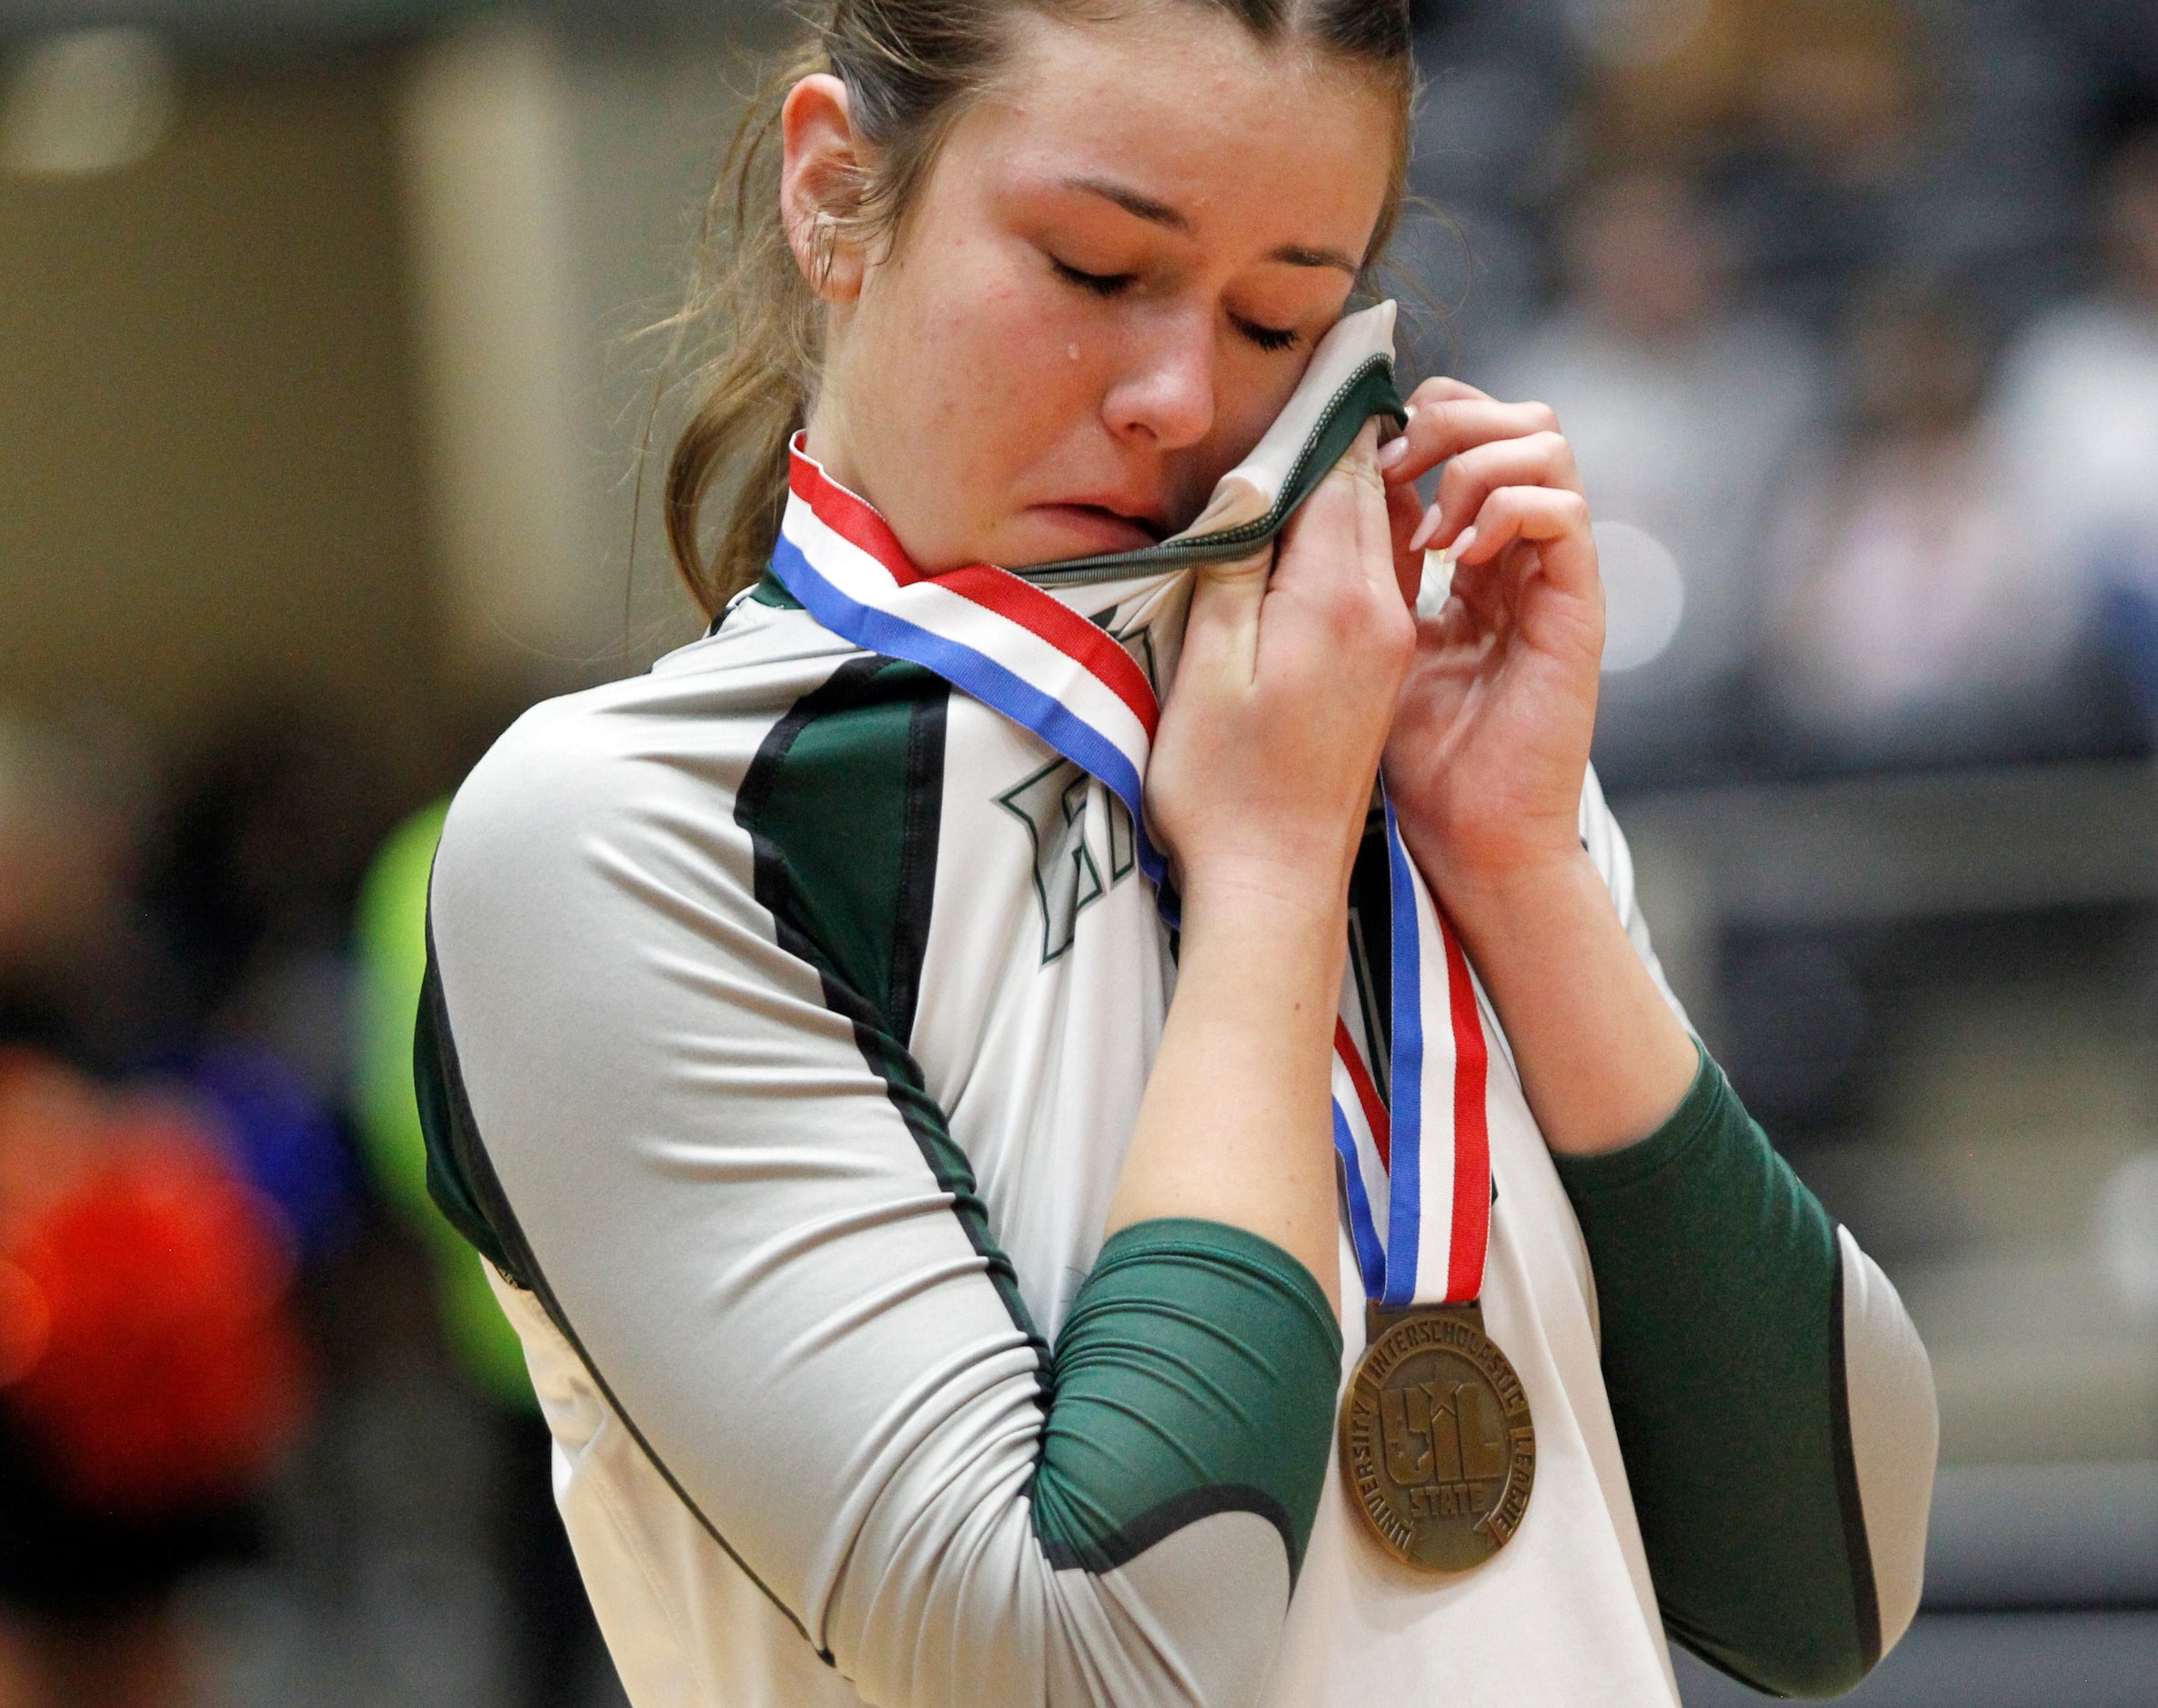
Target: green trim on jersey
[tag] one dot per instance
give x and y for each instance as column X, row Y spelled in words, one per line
column 1181, row 1326
column 842, row 805
column 1719, row 1281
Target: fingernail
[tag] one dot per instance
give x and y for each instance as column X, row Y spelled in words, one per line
column 1392, row 453
column 1425, row 529
column 1462, row 542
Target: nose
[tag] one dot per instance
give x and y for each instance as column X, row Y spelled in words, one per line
column 1165, row 396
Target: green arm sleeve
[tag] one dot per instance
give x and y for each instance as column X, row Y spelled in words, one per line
column 1196, row 1374
column 1718, row 1279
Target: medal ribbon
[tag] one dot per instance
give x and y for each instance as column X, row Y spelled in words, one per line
column 1415, row 1164
column 1419, row 1207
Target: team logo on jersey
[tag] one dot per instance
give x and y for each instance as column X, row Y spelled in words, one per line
column 1083, row 845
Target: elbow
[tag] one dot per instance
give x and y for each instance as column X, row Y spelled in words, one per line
column 1791, row 1660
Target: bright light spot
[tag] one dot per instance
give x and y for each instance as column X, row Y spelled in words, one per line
column 1432, row 592
column 2127, row 1231
column 1635, row 31
column 1644, row 596
column 88, row 101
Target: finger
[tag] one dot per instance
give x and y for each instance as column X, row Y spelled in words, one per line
column 1337, row 571
column 1553, row 520
column 1445, row 388
column 1222, row 633
column 1404, row 513
column 1542, row 459
column 1348, row 505
column 1374, row 524
column 1448, row 426
column 1427, row 396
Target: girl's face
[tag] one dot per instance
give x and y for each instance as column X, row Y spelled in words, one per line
column 1108, row 286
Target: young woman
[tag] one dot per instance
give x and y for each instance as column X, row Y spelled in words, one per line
column 932, row 1264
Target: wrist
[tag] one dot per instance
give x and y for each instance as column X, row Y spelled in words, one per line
column 1265, row 897
column 1527, row 884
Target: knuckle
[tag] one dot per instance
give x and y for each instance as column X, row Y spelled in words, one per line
column 1543, row 416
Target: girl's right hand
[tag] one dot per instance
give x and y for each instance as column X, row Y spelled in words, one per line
column 1263, row 764
column 1259, row 786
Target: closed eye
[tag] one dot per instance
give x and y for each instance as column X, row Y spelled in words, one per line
column 1116, row 284
column 1097, row 284
column 1265, row 338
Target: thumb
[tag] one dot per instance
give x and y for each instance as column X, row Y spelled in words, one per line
column 1221, row 634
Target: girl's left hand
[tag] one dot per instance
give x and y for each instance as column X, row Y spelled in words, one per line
column 1490, row 742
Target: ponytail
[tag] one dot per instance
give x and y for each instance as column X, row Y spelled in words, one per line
column 757, row 390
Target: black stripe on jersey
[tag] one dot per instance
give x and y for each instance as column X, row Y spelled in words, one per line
column 1866, row 1596
column 917, row 887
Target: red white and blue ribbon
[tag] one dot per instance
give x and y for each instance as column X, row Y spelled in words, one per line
column 1415, row 1161
column 1419, row 1208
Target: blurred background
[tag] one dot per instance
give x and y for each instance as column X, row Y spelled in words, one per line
column 325, row 361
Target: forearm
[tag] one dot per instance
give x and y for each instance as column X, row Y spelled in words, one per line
column 1772, row 1401
column 1602, row 1058
column 1234, row 1127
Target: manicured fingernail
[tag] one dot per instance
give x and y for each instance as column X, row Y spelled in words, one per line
column 1425, row 529
column 1462, row 542
column 1392, row 453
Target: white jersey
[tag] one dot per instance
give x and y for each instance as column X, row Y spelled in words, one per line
column 789, row 1018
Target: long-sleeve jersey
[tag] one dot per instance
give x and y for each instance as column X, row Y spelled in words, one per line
column 787, row 1021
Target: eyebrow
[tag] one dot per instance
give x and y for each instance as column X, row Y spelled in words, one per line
column 1157, row 212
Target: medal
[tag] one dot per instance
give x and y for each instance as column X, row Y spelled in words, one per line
column 1436, row 1445
column 1437, row 1450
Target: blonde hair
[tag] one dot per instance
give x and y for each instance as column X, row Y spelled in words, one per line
column 910, row 66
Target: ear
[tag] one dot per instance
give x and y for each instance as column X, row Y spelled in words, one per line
column 820, row 176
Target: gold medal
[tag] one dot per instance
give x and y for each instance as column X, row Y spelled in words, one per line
column 1436, row 1444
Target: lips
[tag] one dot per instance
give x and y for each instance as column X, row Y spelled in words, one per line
column 1101, row 528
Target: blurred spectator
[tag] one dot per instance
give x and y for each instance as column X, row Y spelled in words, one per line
column 2077, row 430
column 150, row 1367
column 1495, row 141
column 261, row 858
column 78, row 974
column 1806, row 114
column 1820, row 191
column 1680, row 406
column 1913, row 622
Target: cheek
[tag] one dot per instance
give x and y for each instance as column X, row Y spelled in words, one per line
column 974, row 381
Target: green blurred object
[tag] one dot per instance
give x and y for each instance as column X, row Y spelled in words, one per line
column 391, row 938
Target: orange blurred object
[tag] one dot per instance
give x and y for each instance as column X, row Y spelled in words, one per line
column 145, row 1338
